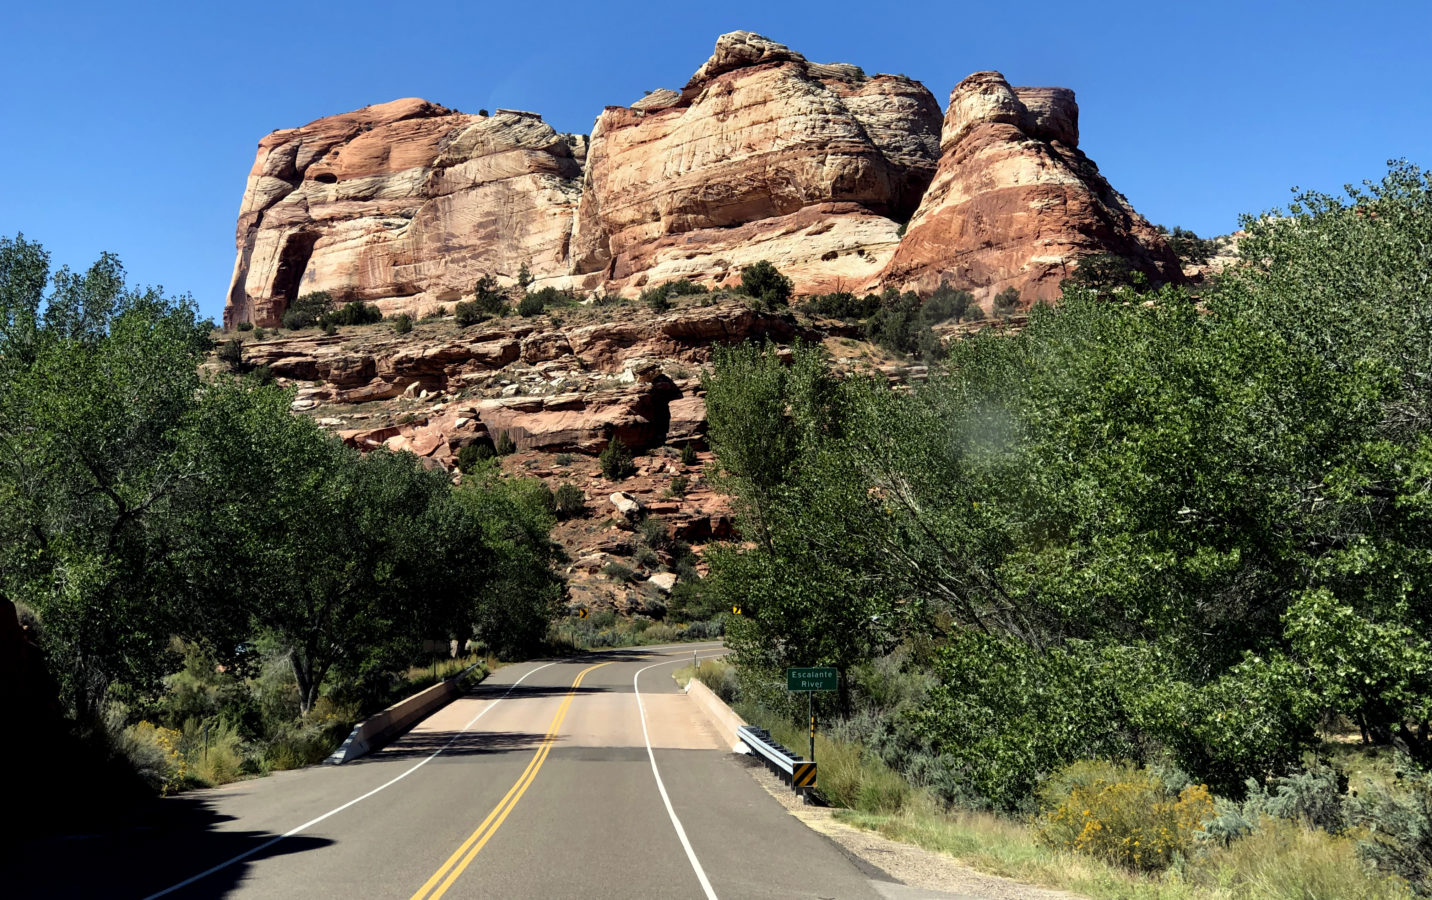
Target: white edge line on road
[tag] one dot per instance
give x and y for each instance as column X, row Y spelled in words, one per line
column 661, row 786
column 311, row 822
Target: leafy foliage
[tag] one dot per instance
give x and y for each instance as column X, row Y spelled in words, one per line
column 764, row 283
column 1188, row 246
column 571, row 502
column 307, row 310
column 1127, row 816
column 1006, row 301
column 140, row 501
column 1137, row 530
column 616, row 461
column 351, row 314
column 843, row 305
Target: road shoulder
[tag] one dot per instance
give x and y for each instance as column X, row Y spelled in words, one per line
column 911, row 871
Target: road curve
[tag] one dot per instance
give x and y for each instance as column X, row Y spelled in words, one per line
column 592, row 777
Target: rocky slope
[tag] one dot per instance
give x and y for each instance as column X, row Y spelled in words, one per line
column 762, row 155
column 1015, row 203
column 560, row 386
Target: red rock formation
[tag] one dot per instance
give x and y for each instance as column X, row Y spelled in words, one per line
column 763, row 155
column 405, row 203
column 1015, row 203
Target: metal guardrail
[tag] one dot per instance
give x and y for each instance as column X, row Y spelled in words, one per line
column 798, row 773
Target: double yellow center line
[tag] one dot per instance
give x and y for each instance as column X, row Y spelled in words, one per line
column 448, row 873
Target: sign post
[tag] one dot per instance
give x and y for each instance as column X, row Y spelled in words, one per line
column 810, row 680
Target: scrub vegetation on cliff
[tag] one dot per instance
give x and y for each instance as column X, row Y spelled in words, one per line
column 1187, row 539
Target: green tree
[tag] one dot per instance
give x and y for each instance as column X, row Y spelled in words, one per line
column 307, row 311
column 763, row 282
column 616, row 461
column 1006, row 301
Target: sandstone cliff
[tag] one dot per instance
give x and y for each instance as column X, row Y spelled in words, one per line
column 1015, row 203
column 404, row 203
column 762, row 155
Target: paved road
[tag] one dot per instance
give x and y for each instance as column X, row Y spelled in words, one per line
column 594, row 777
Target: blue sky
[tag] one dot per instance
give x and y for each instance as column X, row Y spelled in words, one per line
column 131, row 127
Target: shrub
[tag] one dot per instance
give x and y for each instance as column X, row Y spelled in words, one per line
column 618, row 572
column 1313, row 798
column 487, row 297
column 352, row 314
column 720, row 676
column 330, row 329
column 216, row 758
column 688, row 455
column 975, row 313
column 505, row 445
column 683, row 287
column 763, row 282
column 402, row 323
column 1006, row 301
column 259, row 333
column 551, row 298
column 571, row 502
column 616, row 461
column 679, row 485
column 1187, row 245
column 231, row 354
column 472, row 456
column 1280, row 860
column 945, row 304
column 656, row 299
column 1124, row 815
column 245, row 326
column 843, row 305
column 307, row 310
column 154, row 752
column 655, row 534
column 564, row 459
column 468, row 314
column 646, row 558
column 1106, row 272
column 531, row 305
column 1399, row 827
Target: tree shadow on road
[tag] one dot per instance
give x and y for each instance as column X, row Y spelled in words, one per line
column 154, row 846
column 422, row 744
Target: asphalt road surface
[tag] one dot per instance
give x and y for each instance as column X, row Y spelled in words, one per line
column 593, row 777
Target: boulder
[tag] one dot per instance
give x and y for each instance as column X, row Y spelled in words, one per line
column 638, row 417
column 628, row 507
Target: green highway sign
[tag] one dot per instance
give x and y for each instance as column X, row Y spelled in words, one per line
column 814, row 679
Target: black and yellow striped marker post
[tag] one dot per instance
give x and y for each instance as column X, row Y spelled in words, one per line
column 803, row 775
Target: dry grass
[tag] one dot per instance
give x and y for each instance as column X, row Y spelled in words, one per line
column 1279, row 861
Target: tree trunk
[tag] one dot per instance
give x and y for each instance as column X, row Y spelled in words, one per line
column 303, row 674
